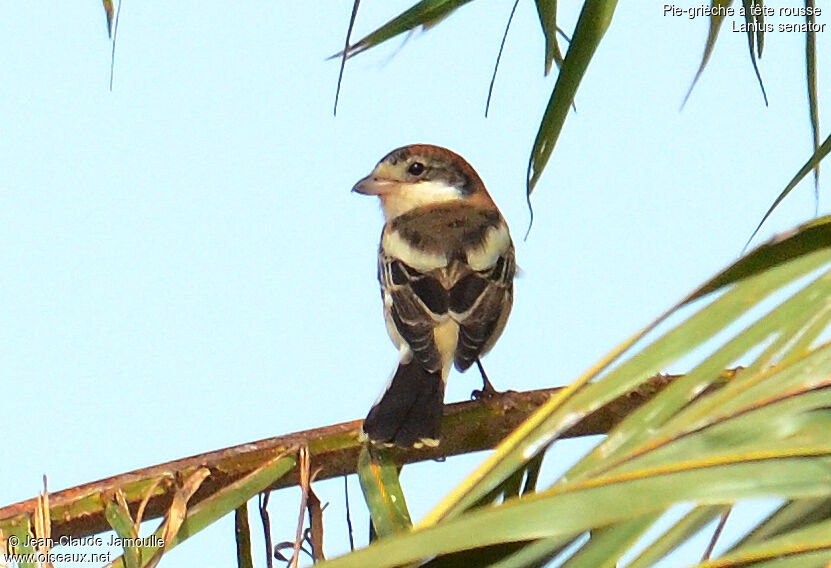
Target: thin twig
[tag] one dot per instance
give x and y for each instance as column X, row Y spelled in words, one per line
column 242, row 536
column 269, row 551
column 148, row 494
column 716, row 534
column 344, row 55
column 43, row 526
column 348, row 516
column 305, row 483
column 498, row 57
column 314, row 534
column 115, row 34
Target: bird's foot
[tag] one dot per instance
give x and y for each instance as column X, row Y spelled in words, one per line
column 487, row 388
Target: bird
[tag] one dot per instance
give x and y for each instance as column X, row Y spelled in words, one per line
column 446, row 268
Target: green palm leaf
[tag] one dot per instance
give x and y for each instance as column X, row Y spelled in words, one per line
column 763, row 434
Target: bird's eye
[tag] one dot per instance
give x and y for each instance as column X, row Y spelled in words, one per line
column 416, row 169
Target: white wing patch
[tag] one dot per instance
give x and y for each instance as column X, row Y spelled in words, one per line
column 497, row 240
column 422, row 261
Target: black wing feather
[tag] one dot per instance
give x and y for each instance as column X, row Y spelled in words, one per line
column 418, row 301
column 480, row 303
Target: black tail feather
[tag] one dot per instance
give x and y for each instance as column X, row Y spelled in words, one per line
column 409, row 413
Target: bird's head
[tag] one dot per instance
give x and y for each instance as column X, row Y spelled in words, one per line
column 422, row 175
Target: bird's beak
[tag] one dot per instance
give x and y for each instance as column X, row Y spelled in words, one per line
column 372, row 185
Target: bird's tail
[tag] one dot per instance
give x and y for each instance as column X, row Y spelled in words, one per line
column 410, row 410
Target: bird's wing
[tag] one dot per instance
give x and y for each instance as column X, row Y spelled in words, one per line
column 480, row 302
column 414, row 303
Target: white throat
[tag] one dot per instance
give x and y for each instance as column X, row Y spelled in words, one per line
column 409, row 196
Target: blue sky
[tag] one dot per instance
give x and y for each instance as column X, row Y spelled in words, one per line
column 184, row 251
